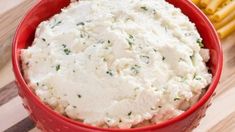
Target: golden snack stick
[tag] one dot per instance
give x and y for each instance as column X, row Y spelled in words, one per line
column 221, row 14
column 213, row 5
column 226, row 20
column 196, row 2
column 227, row 29
column 204, row 3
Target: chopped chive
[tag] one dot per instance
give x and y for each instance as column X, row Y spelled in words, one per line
column 130, row 36
column 59, row 22
column 129, row 114
column 199, row 41
column 136, row 88
column 80, row 24
column 37, row 84
column 109, row 72
column 194, row 75
column 64, row 45
column 130, row 44
column 154, row 50
column 144, row 8
column 57, row 67
column 146, row 58
column 43, row 39
column 163, row 58
column 79, row 96
column 177, row 98
column 67, row 51
column 135, row 69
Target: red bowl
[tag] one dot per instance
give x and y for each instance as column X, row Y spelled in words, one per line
column 48, row 120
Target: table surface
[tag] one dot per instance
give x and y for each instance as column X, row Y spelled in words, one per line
column 13, row 117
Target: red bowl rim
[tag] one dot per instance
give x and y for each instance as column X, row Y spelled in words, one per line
column 23, row 85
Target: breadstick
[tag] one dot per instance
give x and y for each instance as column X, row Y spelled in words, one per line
column 204, row 3
column 213, row 5
column 221, row 14
column 226, row 20
column 227, row 29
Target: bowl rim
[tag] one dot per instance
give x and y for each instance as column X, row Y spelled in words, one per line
column 23, row 85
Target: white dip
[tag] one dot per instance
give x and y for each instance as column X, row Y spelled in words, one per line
column 117, row 63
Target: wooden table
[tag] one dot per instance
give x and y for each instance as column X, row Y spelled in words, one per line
column 13, row 117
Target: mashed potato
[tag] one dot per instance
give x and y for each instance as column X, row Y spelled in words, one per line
column 117, row 63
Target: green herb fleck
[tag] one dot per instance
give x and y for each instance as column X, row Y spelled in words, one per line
column 163, row 58
column 137, row 88
column 192, row 59
column 67, row 51
column 74, row 107
column 80, row 24
column 197, row 78
column 154, row 50
column 194, row 75
column 130, row 43
column 181, row 59
column 59, row 22
column 37, row 84
column 43, row 39
column 199, row 41
column 146, row 58
column 130, row 36
column 109, row 41
column 79, row 96
column 64, row 45
column 177, row 98
column 109, row 72
column 135, row 69
column 57, row 67
column 129, row 114
column 144, row 8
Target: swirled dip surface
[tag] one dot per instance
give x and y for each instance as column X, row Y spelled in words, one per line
column 117, row 63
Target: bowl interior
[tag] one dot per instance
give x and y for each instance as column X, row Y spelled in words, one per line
column 47, row 8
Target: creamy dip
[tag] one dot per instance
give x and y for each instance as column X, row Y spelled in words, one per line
column 117, row 63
